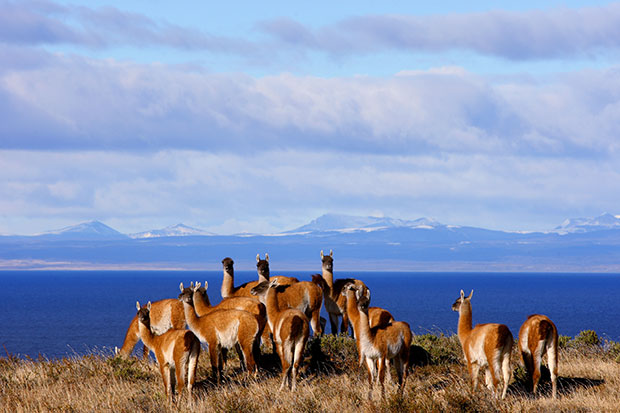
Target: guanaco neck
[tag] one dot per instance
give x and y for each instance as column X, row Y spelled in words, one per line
column 131, row 337
column 359, row 319
column 364, row 330
column 328, row 276
column 271, row 303
column 464, row 328
column 352, row 310
column 202, row 304
column 190, row 316
column 146, row 335
column 228, row 284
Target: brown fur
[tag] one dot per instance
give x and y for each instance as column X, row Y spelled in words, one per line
column 491, row 338
column 335, row 302
column 378, row 344
column 379, row 317
column 244, row 290
column 290, row 330
column 304, row 296
column 223, row 329
column 541, row 339
column 185, row 351
column 165, row 314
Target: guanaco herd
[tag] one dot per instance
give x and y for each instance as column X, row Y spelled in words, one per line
column 283, row 309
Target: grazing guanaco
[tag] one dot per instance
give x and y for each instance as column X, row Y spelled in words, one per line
column 537, row 336
column 176, row 352
column 335, row 302
column 165, row 315
column 486, row 346
column 379, row 344
column 290, row 331
column 223, row 329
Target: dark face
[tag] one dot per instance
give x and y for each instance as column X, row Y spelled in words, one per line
column 328, row 263
column 144, row 316
column 363, row 303
column 262, row 266
column 228, row 264
column 186, row 290
column 457, row 304
column 187, row 296
column 260, row 289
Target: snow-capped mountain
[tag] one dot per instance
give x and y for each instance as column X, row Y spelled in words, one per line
column 580, row 225
column 349, row 223
column 178, row 230
column 90, row 229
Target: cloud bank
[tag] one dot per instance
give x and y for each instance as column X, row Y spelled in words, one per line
column 58, row 103
column 525, row 35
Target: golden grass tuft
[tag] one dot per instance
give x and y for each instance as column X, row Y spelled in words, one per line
column 331, row 381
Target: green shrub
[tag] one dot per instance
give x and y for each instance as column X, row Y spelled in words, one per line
column 332, row 353
column 587, row 338
column 563, row 341
column 612, row 348
column 127, row 368
column 442, row 349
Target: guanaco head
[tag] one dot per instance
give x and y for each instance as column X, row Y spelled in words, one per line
column 262, row 288
column 198, row 288
column 328, row 261
column 461, row 300
column 187, row 294
column 353, row 292
column 262, row 266
column 190, row 288
column 144, row 313
column 228, row 265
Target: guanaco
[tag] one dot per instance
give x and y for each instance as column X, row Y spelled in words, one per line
column 176, row 352
column 486, row 346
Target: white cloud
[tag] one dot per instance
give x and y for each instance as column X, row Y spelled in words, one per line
column 84, row 104
column 277, row 190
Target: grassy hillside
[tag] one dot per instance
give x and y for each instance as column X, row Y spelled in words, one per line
column 331, row 381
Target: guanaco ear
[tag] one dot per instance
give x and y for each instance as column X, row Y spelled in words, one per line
column 321, row 254
column 462, row 294
column 331, row 253
column 181, row 287
column 470, row 294
column 266, row 257
column 148, row 306
column 257, row 257
column 138, row 305
column 191, row 284
column 206, row 285
column 196, row 286
column 358, row 293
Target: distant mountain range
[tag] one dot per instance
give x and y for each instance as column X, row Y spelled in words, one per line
column 360, row 243
column 178, row 230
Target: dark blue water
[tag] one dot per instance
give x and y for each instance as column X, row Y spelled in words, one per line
column 59, row 313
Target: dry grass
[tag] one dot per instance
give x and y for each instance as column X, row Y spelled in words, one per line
column 331, row 381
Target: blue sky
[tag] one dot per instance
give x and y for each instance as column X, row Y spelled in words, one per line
column 261, row 116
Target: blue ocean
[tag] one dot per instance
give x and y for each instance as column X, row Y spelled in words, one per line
column 64, row 313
